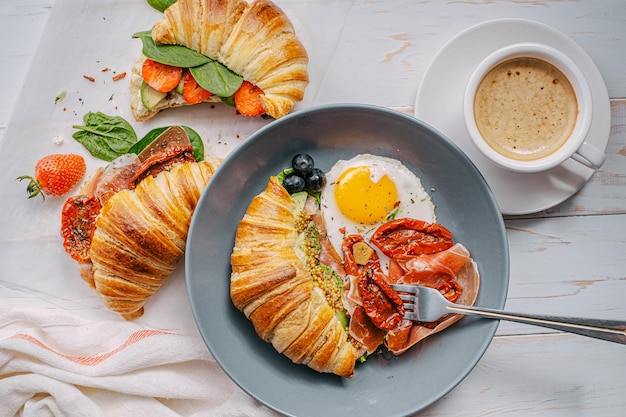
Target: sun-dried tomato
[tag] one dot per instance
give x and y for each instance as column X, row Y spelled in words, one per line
column 382, row 303
column 78, row 222
column 411, row 237
column 451, row 290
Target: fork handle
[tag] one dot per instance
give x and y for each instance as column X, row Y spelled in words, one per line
column 611, row 330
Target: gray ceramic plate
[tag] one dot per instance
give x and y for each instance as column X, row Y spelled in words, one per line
column 382, row 385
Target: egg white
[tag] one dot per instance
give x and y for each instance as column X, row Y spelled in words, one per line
column 415, row 202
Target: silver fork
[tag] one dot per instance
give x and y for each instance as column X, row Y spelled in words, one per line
column 428, row 304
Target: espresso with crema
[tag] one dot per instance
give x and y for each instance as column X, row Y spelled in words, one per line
column 525, row 108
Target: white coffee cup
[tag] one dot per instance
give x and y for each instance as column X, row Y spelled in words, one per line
column 533, row 116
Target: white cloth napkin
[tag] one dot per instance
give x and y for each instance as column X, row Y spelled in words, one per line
column 58, row 364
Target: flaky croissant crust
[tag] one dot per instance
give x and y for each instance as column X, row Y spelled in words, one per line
column 274, row 289
column 140, row 235
column 257, row 41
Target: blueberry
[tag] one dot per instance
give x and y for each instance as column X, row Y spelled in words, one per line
column 302, row 164
column 316, row 180
column 294, row 183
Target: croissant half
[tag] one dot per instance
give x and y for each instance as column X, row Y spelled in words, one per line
column 140, row 235
column 272, row 286
column 256, row 41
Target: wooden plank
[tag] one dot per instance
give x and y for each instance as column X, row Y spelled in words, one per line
column 570, row 266
column 23, row 21
column 541, row 376
column 399, row 41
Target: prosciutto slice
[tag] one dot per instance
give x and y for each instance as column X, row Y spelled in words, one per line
column 432, row 269
column 452, row 266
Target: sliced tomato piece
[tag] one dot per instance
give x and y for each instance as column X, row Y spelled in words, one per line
column 248, row 100
column 78, row 222
column 192, row 92
column 161, row 77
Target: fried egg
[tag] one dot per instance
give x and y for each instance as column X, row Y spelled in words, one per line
column 368, row 190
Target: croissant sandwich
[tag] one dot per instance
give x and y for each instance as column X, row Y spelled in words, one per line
column 246, row 55
column 327, row 310
column 275, row 289
column 128, row 226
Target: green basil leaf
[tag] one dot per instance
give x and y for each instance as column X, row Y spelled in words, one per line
column 217, row 78
column 175, row 55
column 105, row 137
column 194, row 138
column 161, row 5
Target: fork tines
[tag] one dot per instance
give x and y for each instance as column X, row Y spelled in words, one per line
column 409, row 307
column 412, row 289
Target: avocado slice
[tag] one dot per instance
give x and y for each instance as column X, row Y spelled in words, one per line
column 299, row 198
column 149, row 96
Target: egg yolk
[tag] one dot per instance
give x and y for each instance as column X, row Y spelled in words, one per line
column 362, row 200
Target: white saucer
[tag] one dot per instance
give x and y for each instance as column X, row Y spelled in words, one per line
column 440, row 99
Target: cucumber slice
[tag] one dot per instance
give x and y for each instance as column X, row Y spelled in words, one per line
column 149, row 96
column 181, row 84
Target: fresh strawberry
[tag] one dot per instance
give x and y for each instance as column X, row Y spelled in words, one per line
column 192, row 92
column 159, row 76
column 248, row 100
column 55, row 175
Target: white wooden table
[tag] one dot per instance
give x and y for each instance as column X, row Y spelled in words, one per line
column 568, row 260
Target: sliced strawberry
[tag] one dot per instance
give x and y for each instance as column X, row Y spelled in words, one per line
column 192, row 92
column 159, row 76
column 248, row 100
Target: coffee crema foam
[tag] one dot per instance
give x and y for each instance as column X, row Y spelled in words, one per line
column 525, row 108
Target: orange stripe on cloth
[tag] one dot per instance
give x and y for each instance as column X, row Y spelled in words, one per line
column 94, row 360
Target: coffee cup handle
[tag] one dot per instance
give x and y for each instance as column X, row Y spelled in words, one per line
column 589, row 155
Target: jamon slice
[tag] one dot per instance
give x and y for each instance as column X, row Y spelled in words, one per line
column 451, row 266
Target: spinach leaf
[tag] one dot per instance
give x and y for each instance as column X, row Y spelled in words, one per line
column 194, row 138
column 196, row 143
column 217, row 78
column 175, row 55
column 282, row 174
column 161, row 5
column 105, row 137
column 230, row 100
column 146, row 140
